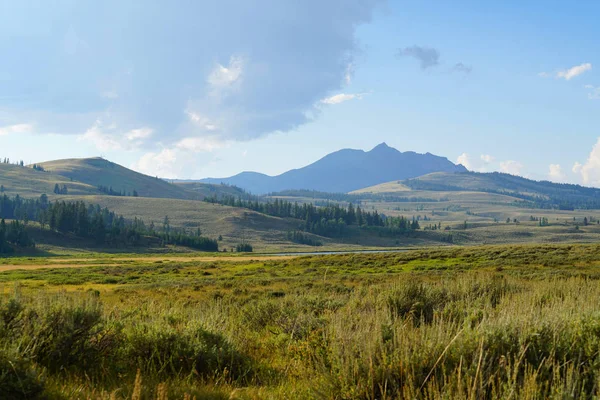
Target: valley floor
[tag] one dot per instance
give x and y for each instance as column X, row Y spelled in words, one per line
column 509, row 321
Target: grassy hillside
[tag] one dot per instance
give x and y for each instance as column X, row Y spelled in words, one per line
column 28, row 182
column 99, row 172
column 539, row 194
column 209, row 189
column 235, row 225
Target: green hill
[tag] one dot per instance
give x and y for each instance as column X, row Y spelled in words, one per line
column 100, row 172
column 541, row 194
column 28, row 182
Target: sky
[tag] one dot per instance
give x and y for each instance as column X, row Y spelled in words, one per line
column 194, row 89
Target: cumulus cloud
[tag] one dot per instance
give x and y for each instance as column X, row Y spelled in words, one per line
column 511, row 167
column 555, row 173
column 163, row 164
column 231, row 69
column 427, row 56
column 107, row 137
column 477, row 164
column 568, row 73
column 590, row 170
column 16, row 128
column 342, row 97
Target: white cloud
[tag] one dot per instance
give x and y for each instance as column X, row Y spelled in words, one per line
column 342, row 97
column 100, row 139
column 17, row 128
column 569, row 73
column 162, row 164
column 224, row 77
column 200, row 144
column 594, row 92
column 107, row 137
column 179, row 161
column 200, row 121
column 480, row 164
column 349, row 73
column 572, row 72
column 486, row 158
column 136, row 134
column 590, row 170
column 511, row 167
column 555, row 173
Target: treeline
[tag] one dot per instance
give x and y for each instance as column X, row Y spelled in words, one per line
column 354, row 198
column 21, row 163
column 328, row 220
column 302, row 238
column 96, row 223
column 109, row 191
column 13, row 234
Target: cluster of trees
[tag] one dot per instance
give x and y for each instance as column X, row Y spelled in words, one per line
column 244, row 248
column 7, row 161
column 109, row 191
column 60, row 190
column 353, row 198
column 13, row 234
column 542, row 221
column 21, row 163
column 302, row 238
column 94, row 222
column 327, row 220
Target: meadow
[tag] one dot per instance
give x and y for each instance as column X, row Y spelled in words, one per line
column 509, row 321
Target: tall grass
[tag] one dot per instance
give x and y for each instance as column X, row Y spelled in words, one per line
column 474, row 334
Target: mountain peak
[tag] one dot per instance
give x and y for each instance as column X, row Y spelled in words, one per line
column 381, row 146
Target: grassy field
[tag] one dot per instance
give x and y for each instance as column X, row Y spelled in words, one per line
column 442, row 323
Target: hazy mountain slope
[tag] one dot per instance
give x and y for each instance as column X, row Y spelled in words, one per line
column 99, row 172
column 346, row 170
column 544, row 193
column 26, row 181
column 210, row 189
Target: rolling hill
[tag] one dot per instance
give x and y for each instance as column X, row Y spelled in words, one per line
column 100, row 172
column 28, row 182
column 542, row 194
column 345, row 170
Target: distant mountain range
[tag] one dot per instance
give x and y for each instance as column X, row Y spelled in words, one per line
column 344, row 171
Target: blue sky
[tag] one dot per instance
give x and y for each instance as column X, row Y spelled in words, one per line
column 215, row 88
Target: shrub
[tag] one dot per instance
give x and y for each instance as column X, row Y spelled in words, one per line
column 18, row 380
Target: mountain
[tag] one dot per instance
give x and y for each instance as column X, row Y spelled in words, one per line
column 345, row 170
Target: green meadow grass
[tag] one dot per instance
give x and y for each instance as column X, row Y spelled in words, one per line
column 492, row 322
